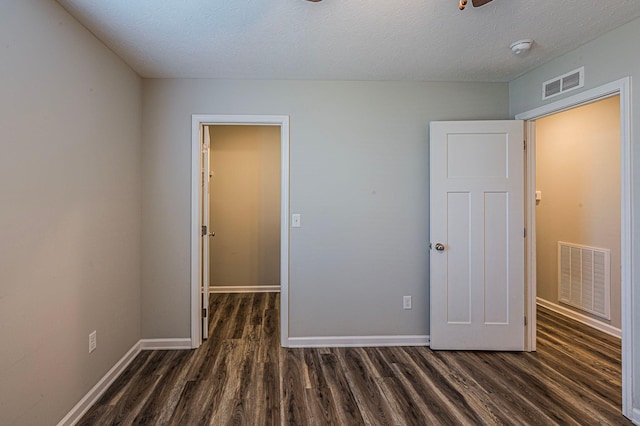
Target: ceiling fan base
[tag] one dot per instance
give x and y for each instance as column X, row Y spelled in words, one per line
column 478, row 3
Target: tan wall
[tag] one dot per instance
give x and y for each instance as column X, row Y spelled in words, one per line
column 70, row 209
column 578, row 172
column 245, row 206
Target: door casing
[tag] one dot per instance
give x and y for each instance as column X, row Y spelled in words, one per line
column 205, row 168
column 197, row 123
column 622, row 88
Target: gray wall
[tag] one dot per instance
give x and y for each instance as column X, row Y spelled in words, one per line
column 245, row 206
column 578, row 173
column 608, row 58
column 359, row 178
column 70, row 183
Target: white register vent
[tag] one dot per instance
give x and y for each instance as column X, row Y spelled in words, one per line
column 584, row 278
column 564, row 83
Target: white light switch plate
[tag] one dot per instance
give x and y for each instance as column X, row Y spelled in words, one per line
column 406, row 302
column 295, row 220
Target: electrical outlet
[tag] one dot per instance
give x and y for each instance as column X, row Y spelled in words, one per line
column 406, row 302
column 93, row 341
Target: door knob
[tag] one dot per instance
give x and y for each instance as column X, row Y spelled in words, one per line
column 439, row 247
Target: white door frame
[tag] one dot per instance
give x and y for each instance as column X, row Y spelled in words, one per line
column 205, row 168
column 197, row 122
column 620, row 87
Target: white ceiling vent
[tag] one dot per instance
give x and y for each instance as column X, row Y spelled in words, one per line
column 566, row 82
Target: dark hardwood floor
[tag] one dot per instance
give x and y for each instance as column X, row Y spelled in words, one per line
column 241, row 376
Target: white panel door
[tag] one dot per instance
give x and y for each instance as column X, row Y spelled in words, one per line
column 206, row 232
column 477, row 235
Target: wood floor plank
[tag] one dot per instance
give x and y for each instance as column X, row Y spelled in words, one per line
column 518, row 405
column 347, row 410
column 575, row 328
column 293, row 398
column 580, row 344
column 433, row 392
column 243, row 315
column 191, row 406
column 246, row 397
column 241, row 376
column 132, row 403
column 404, row 410
column 362, row 381
column 580, row 404
column 125, row 380
column 272, row 392
column 319, row 397
column 585, row 373
column 98, row 415
column 161, row 404
column 260, row 303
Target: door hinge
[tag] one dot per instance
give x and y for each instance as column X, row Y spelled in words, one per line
column 525, row 232
column 204, row 230
column 525, row 320
column 524, row 145
column 204, row 312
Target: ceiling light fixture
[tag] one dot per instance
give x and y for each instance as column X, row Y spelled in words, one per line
column 521, row 47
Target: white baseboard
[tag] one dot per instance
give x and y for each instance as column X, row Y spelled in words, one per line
column 357, row 341
column 103, row 384
column 636, row 416
column 164, row 344
column 245, row 289
column 584, row 319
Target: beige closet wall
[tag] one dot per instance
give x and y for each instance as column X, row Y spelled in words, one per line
column 578, row 172
column 245, row 206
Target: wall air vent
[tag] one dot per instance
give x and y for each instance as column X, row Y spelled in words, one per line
column 566, row 82
column 584, row 278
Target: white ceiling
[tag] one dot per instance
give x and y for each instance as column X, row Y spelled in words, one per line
column 344, row 39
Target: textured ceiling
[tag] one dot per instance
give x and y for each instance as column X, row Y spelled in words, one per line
column 344, row 39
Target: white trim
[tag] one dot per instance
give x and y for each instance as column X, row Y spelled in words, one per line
column 103, row 384
column 196, row 136
column 165, row 344
column 620, row 87
column 636, row 416
column 577, row 316
column 530, row 243
column 626, row 181
column 357, row 341
column 582, row 98
column 197, row 121
column 245, row 289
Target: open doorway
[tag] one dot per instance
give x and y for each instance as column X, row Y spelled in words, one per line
column 578, row 242
column 578, row 214
column 244, row 209
column 616, row 92
column 204, row 130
